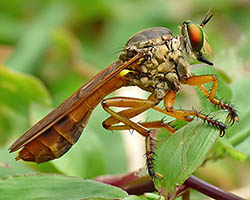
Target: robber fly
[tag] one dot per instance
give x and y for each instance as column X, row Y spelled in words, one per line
column 152, row 59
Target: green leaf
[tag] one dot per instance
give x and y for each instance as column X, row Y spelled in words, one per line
column 11, row 123
column 153, row 196
column 56, row 187
column 133, row 197
column 17, row 90
column 223, row 146
column 179, row 155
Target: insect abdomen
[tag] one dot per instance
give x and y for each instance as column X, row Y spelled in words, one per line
column 58, row 139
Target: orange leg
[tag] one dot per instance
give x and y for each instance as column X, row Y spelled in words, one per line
column 169, row 101
column 135, row 107
column 154, row 124
column 203, row 79
column 185, row 114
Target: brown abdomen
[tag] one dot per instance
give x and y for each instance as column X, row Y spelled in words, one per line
column 58, row 139
column 55, row 141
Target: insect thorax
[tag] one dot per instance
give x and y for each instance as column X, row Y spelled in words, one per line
column 164, row 64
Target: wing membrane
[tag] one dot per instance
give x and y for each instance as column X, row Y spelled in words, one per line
column 72, row 102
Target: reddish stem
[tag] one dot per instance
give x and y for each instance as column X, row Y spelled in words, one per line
column 136, row 185
column 209, row 190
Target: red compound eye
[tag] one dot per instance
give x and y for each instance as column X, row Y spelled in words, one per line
column 196, row 36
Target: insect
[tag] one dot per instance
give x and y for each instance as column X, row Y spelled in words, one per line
column 152, row 59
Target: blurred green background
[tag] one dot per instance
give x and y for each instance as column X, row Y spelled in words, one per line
column 48, row 49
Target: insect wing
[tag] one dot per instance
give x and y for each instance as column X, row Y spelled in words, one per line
column 72, row 102
column 207, row 49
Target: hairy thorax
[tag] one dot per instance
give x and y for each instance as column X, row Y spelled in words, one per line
column 164, row 65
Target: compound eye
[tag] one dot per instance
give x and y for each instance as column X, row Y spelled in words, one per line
column 196, row 36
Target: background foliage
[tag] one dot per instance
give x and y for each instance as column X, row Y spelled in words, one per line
column 48, row 49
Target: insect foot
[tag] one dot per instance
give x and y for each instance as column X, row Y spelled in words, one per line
column 150, row 146
column 232, row 116
column 232, row 113
column 220, row 126
column 215, row 123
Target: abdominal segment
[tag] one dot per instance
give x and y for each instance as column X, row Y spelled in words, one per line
column 56, row 140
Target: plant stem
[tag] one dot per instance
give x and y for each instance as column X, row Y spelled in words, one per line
column 135, row 185
column 209, row 190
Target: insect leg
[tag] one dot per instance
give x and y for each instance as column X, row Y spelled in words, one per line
column 169, row 101
column 136, row 107
column 203, row 79
column 158, row 124
column 185, row 114
column 153, row 124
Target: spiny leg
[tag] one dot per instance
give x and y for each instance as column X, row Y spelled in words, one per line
column 159, row 124
column 150, row 151
column 203, row 79
column 152, row 124
column 137, row 106
column 185, row 114
column 169, row 101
